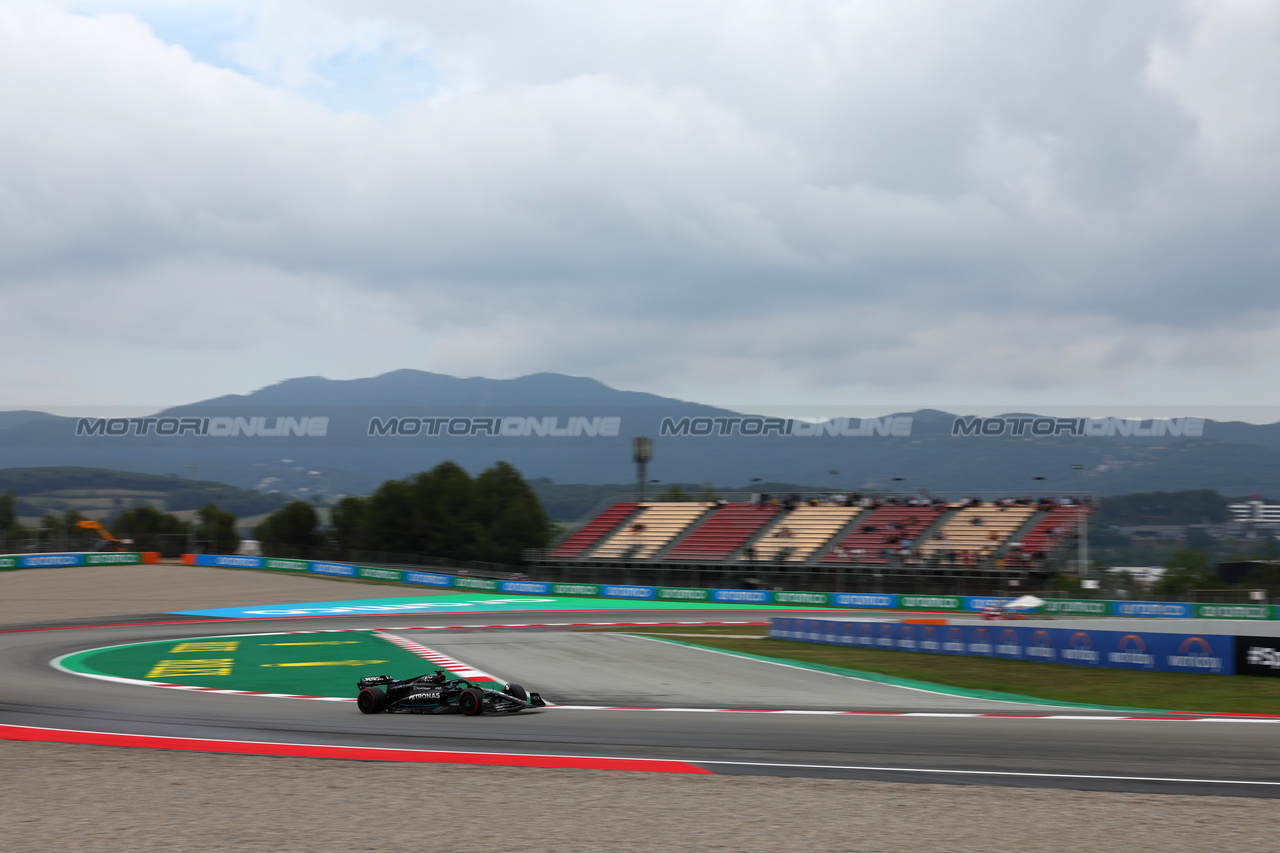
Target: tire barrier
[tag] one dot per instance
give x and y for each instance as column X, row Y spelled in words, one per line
column 1152, row 651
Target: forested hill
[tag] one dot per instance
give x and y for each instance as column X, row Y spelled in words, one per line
column 312, row 436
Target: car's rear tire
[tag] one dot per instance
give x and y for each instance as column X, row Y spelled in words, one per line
column 372, row 700
column 517, row 691
column 471, row 702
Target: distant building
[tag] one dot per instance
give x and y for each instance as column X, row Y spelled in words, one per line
column 1256, row 517
column 1154, row 531
column 1142, row 574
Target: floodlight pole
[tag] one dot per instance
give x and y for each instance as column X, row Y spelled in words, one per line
column 641, row 453
column 1083, row 546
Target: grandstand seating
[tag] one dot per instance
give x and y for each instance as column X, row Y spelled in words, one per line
column 724, row 532
column 688, row 536
column 980, row 529
column 651, row 530
column 884, row 529
column 591, row 532
column 802, row 532
column 1051, row 530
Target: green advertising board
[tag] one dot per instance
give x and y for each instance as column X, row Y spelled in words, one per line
column 1233, row 611
column 8, row 563
column 819, row 599
column 475, row 583
column 931, row 602
column 1074, row 607
column 588, row 589
column 113, row 559
column 672, row 593
column 380, row 574
column 288, row 565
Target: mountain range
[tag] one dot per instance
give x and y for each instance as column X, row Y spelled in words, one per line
column 313, row 435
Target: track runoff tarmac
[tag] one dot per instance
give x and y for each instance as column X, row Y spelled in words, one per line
column 620, row 702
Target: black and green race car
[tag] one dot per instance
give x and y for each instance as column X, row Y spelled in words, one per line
column 427, row 694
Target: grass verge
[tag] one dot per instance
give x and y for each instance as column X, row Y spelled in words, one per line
column 1222, row 694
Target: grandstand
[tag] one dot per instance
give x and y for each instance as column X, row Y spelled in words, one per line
column 591, row 532
column 724, row 532
column 842, row 543
column 1051, row 528
column 982, row 528
column 889, row 531
column 647, row 532
column 804, row 531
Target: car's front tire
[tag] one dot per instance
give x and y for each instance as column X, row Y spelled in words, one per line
column 516, row 691
column 372, row 700
column 471, row 702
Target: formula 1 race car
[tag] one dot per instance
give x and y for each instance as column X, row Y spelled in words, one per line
column 430, row 693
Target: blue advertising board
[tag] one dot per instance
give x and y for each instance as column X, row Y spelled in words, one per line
column 621, row 591
column 851, row 599
column 1141, row 650
column 230, row 560
column 742, row 596
column 428, row 578
column 1158, row 609
column 342, row 570
column 34, row 561
column 525, row 588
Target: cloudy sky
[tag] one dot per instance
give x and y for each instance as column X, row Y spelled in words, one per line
column 742, row 202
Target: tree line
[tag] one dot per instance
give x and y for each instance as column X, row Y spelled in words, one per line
column 443, row 512
column 146, row 527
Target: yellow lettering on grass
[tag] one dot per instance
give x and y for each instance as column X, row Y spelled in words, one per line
column 328, row 663
column 208, row 666
column 318, row 643
column 206, row 646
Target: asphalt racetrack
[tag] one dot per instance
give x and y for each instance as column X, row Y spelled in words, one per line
column 599, row 676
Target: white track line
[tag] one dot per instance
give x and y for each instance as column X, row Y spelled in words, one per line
column 832, row 674
column 1005, row 773
column 440, row 659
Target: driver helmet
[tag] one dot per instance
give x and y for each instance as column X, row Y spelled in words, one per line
column 437, row 677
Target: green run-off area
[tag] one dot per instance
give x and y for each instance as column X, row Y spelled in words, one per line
column 326, row 664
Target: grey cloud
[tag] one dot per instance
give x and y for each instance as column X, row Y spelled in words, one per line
column 900, row 177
